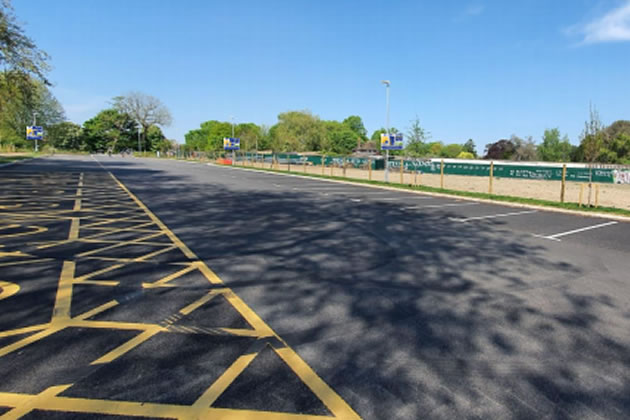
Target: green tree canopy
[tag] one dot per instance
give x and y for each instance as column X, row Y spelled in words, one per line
column 469, row 147
column 66, row 135
column 110, row 130
column 340, row 139
column 355, row 123
column 298, row 131
column 554, row 148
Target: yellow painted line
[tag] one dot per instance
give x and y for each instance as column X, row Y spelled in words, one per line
column 154, row 254
column 241, row 332
column 204, row 299
column 325, row 393
column 61, row 312
column 98, row 272
column 35, row 231
column 16, row 254
column 40, row 400
column 77, row 201
column 24, row 330
column 121, row 244
column 250, row 316
column 209, row 274
column 30, row 339
column 220, row 385
column 163, row 281
column 125, row 347
column 122, row 219
column 97, row 310
column 157, row 221
column 8, row 289
column 114, row 325
column 74, row 229
column 109, row 283
column 9, row 226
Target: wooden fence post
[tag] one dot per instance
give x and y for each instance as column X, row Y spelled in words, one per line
column 323, row 163
column 564, row 183
column 442, row 174
column 402, row 173
column 370, row 169
column 581, row 194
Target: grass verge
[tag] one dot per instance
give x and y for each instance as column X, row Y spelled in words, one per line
column 485, row 196
column 14, row 158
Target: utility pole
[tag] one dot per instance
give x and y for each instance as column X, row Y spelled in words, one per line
column 386, row 83
column 34, row 124
column 233, row 152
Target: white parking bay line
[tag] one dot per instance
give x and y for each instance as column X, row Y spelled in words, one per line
column 437, row 206
column 571, row 232
column 492, row 216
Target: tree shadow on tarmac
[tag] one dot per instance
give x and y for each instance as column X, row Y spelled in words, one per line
column 405, row 314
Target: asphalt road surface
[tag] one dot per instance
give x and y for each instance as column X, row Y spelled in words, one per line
column 166, row 289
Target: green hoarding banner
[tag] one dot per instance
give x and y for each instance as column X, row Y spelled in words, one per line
column 535, row 172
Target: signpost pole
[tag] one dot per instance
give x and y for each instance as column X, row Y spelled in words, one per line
column 34, row 124
column 386, row 83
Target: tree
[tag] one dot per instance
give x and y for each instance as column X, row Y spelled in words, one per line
column 145, row 110
column 66, row 135
column 416, row 137
column 340, row 139
column 465, row 155
column 19, row 106
column 109, row 130
column 298, row 131
column 592, row 136
column 469, row 147
column 524, row 149
column 553, row 148
column 250, row 134
column 451, row 150
column 355, row 123
column 502, row 149
column 19, row 56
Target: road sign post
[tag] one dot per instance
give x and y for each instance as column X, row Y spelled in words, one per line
column 36, row 133
column 233, row 144
column 390, row 142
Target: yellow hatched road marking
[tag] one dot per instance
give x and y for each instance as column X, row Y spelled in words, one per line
column 61, row 319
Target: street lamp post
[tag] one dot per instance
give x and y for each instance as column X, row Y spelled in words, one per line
column 139, row 128
column 386, row 83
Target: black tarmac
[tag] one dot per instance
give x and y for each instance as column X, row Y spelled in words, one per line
column 186, row 290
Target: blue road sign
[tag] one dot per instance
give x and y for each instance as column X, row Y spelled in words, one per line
column 34, row 132
column 392, row 142
column 230, row 143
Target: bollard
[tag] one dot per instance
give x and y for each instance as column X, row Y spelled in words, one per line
column 564, row 182
column 442, row 174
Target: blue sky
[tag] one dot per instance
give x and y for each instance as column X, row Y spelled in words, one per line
column 468, row 69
